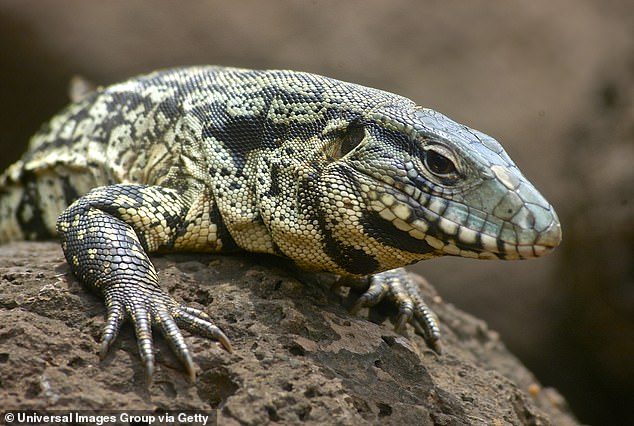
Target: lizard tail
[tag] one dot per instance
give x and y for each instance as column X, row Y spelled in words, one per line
column 30, row 203
column 33, row 195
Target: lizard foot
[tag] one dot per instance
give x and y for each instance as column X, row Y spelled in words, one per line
column 149, row 306
column 399, row 288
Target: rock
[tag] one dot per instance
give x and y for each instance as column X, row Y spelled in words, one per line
column 299, row 356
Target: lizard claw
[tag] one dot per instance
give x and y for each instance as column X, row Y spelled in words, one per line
column 198, row 322
column 402, row 291
column 116, row 315
column 153, row 307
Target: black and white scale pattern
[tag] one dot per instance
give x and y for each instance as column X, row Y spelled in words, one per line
column 335, row 176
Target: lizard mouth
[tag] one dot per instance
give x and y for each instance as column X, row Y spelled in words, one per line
column 453, row 228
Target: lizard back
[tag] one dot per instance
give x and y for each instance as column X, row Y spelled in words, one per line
column 202, row 127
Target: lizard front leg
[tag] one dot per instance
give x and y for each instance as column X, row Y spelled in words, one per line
column 106, row 236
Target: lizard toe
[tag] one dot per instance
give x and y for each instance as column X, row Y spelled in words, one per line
column 116, row 315
column 425, row 323
column 372, row 296
column 198, row 322
column 168, row 327
column 142, row 321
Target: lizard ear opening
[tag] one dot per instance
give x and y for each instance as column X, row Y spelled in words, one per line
column 352, row 137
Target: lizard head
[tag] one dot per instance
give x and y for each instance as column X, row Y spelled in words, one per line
column 433, row 187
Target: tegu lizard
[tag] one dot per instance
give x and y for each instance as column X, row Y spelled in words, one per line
column 334, row 176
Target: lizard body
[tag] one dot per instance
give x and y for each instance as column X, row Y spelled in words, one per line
column 335, row 176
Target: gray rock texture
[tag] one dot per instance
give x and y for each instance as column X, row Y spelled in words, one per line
column 299, row 356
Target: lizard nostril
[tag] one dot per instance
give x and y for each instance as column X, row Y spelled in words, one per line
column 509, row 206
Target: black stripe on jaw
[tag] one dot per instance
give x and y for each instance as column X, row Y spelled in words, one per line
column 347, row 257
column 352, row 260
column 387, row 234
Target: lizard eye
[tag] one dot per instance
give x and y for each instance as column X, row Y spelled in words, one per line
column 354, row 134
column 438, row 164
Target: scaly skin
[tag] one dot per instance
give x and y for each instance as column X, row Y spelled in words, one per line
column 334, row 176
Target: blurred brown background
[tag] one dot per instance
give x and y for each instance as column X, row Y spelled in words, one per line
column 553, row 81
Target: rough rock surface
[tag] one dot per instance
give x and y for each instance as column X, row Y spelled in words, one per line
column 299, row 356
